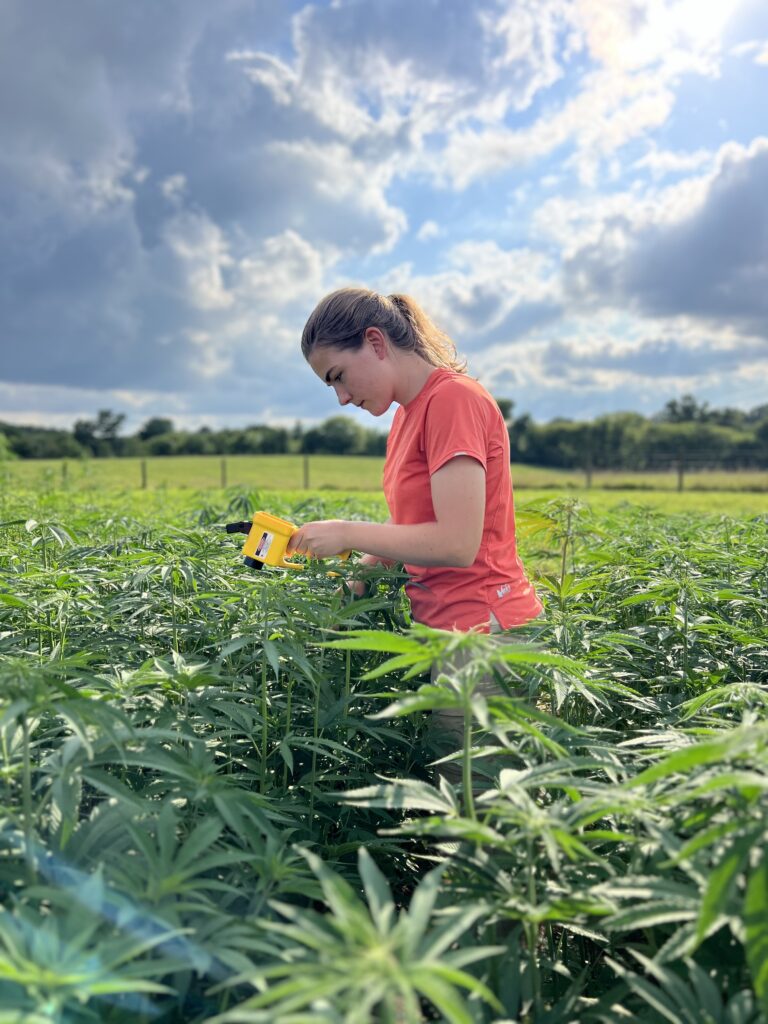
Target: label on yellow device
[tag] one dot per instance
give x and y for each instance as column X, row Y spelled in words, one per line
column 262, row 548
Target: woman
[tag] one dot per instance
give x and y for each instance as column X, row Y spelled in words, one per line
column 446, row 474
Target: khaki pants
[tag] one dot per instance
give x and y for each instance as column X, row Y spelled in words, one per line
column 446, row 728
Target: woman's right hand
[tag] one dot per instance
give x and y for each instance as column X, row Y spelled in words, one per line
column 359, row 588
column 356, row 587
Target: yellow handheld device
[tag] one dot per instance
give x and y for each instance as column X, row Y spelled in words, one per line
column 267, row 540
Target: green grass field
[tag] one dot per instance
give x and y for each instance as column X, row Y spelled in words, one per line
column 329, row 472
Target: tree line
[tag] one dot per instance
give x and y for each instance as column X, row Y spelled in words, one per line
column 685, row 431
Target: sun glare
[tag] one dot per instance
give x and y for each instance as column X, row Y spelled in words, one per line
column 702, row 23
column 628, row 35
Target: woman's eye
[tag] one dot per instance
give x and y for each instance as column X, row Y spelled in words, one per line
column 339, row 376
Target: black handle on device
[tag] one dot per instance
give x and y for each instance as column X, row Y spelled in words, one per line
column 244, row 527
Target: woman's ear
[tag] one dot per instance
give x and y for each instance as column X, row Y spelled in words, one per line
column 377, row 339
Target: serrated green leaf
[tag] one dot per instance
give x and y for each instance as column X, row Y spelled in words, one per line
column 756, row 922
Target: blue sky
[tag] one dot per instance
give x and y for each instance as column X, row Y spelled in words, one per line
column 575, row 190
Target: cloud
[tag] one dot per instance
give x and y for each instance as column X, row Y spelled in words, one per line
column 201, row 257
column 710, row 263
column 662, row 163
column 137, row 250
column 607, row 361
column 285, row 270
column 428, row 230
column 607, row 113
column 485, row 291
column 180, row 183
column 756, row 49
column 636, row 53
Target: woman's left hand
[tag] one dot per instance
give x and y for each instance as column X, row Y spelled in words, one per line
column 320, row 539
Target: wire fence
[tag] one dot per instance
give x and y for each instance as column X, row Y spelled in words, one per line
column 358, row 473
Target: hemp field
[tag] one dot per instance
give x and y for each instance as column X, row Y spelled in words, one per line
column 218, row 801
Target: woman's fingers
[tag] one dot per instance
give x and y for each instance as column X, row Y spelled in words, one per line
column 297, row 543
column 320, row 539
column 356, row 587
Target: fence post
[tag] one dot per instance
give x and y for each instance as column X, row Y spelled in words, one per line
column 64, row 473
column 680, row 471
column 223, row 474
column 306, row 472
column 143, row 474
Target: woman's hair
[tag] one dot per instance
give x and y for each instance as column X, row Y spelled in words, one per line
column 341, row 318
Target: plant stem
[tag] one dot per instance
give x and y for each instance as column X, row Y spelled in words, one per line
column 26, row 800
column 469, row 801
column 287, row 730
column 347, row 675
column 264, row 704
column 315, row 734
column 566, row 539
column 264, row 724
column 531, row 932
column 173, row 613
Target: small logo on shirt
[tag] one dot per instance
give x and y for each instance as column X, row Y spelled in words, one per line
column 504, row 590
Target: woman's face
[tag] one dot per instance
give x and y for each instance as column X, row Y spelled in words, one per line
column 361, row 377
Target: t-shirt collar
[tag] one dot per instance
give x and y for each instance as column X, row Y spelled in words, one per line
column 437, row 374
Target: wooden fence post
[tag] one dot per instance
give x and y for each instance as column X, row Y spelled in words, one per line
column 143, row 474
column 223, row 474
column 64, row 470
column 680, row 471
column 306, row 472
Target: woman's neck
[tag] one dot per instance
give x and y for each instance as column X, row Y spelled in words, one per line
column 413, row 374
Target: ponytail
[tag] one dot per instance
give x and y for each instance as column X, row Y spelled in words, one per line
column 432, row 344
column 341, row 319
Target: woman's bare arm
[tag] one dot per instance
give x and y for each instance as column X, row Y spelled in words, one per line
column 452, row 539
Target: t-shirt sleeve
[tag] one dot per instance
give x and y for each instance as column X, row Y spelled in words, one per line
column 456, row 423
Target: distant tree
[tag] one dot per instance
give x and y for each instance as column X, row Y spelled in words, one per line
column 132, row 447
column 296, row 437
column 728, row 417
column 154, row 427
column 614, row 440
column 337, row 436
column 202, row 442
column 261, row 440
column 562, row 442
column 108, row 424
column 6, row 453
column 100, row 435
column 506, row 405
column 375, row 443
column 704, row 445
column 164, row 444
column 41, row 442
column 686, row 410
column 761, row 435
column 84, row 435
column 520, row 430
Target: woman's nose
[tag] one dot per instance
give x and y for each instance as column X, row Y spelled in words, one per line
column 343, row 396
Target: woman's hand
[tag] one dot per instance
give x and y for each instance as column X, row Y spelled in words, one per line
column 320, row 539
column 359, row 588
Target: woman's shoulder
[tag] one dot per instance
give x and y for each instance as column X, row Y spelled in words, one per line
column 460, row 387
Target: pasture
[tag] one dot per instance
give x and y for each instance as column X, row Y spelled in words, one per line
column 219, row 796
column 329, row 472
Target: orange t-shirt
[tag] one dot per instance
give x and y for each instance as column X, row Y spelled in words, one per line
column 454, row 415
